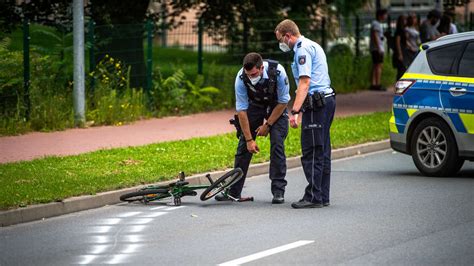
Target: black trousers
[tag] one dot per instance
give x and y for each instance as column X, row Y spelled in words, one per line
column 278, row 134
column 316, row 151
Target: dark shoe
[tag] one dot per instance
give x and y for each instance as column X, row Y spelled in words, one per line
column 326, row 204
column 278, row 198
column 222, row 197
column 305, row 204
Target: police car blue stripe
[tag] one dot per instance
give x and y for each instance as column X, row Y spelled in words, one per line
column 457, row 122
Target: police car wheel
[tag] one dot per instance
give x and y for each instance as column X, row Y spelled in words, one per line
column 434, row 149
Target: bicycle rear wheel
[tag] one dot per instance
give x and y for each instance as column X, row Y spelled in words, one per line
column 225, row 181
column 145, row 195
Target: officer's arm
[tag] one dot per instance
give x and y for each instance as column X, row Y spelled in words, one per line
column 244, row 124
column 301, row 93
column 276, row 113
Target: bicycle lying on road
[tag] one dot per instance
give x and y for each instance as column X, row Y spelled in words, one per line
column 181, row 188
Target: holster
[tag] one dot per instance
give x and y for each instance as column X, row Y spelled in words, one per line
column 235, row 121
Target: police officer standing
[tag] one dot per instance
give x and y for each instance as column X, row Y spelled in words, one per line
column 315, row 99
column 262, row 95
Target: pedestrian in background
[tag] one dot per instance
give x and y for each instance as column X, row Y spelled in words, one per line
column 428, row 29
column 412, row 36
column 315, row 99
column 444, row 27
column 400, row 46
column 377, row 49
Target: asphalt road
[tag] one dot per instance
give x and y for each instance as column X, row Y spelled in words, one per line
column 382, row 212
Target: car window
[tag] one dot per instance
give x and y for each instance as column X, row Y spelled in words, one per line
column 466, row 66
column 441, row 60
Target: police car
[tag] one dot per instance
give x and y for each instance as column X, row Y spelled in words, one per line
column 433, row 107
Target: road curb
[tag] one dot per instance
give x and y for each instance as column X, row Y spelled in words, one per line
column 75, row 204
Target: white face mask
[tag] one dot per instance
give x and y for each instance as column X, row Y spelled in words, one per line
column 284, row 47
column 255, row 80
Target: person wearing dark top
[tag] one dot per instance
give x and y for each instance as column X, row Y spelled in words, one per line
column 400, row 46
column 444, row 26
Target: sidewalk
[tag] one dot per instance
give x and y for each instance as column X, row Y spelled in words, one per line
column 77, row 141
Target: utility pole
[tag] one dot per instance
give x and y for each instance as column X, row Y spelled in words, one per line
column 79, row 72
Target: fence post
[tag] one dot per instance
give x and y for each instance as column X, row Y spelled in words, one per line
column 26, row 67
column 149, row 55
column 200, row 32
column 164, row 40
column 357, row 36
column 323, row 34
column 91, row 38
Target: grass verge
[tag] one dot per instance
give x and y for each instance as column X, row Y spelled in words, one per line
column 56, row 178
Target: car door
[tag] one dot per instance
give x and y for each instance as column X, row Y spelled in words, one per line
column 457, row 89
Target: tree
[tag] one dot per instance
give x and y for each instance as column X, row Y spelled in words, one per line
column 238, row 20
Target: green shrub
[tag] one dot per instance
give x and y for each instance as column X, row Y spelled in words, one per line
column 111, row 101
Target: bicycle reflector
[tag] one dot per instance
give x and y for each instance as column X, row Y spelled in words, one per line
column 403, row 85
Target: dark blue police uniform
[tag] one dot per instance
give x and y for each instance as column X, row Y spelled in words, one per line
column 248, row 99
column 310, row 61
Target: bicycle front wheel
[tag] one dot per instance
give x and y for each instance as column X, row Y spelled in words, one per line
column 225, row 181
column 145, row 195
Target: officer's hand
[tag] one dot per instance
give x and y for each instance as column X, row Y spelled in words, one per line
column 294, row 121
column 262, row 130
column 252, row 147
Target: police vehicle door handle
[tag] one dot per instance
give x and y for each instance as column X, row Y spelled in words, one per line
column 457, row 91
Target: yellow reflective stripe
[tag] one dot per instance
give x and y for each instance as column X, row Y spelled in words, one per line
column 411, row 112
column 468, row 121
column 436, row 77
column 391, row 122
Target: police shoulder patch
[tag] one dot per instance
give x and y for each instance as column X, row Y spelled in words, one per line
column 302, row 59
column 286, row 80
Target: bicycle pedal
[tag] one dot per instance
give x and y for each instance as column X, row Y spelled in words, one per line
column 245, row 199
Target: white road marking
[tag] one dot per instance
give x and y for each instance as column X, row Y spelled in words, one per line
column 110, row 221
column 140, row 221
column 267, row 253
column 102, row 229
column 128, row 214
column 134, row 228
column 97, row 249
column 157, row 208
column 152, row 214
column 132, row 248
column 133, row 238
column 100, row 239
column 87, row 259
column 173, row 208
column 117, row 259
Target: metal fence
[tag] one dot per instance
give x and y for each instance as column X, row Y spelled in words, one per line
column 134, row 45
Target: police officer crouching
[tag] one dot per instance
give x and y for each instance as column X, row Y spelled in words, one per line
column 316, row 100
column 262, row 95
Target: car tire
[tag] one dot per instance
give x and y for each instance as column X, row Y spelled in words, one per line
column 434, row 148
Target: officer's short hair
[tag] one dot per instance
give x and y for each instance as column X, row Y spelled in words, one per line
column 287, row 26
column 252, row 60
